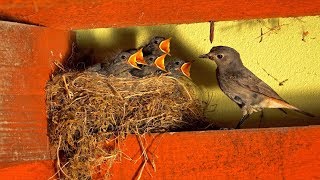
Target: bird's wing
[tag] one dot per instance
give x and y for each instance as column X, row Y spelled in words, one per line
column 250, row 81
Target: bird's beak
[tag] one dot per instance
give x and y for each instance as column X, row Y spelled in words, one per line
column 133, row 61
column 165, row 46
column 185, row 68
column 139, row 57
column 204, row 56
column 159, row 62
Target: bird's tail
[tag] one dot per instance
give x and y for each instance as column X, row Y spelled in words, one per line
column 277, row 103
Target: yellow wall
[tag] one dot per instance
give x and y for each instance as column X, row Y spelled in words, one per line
column 282, row 53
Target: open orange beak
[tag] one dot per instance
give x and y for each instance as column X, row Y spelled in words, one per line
column 159, row 62
column 185, row 68
column 133, row 61
column 139, row 57
column 165, row 46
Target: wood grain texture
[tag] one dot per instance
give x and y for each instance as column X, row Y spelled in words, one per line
column 27, row 53
column 42, row 169
column 76, row 14
column 275, row 153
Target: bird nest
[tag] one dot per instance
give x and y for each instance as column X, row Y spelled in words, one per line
column 86, row 108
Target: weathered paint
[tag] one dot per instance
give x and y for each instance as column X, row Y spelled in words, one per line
column 27, row 55
column 75, row 14
column 27, row 52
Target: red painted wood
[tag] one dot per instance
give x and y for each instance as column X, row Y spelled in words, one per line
column 74, row 14
column 27, row 53
column 275, row 153
column 43, row 169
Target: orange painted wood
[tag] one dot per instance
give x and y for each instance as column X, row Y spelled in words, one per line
column 75, row 14
column 274, row 153
column 27, row 54
column 31, row 170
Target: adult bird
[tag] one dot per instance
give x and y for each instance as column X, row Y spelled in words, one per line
column 249, row 92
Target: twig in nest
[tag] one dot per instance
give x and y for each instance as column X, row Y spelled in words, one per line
column 59, row 65
column 72, row 51
column 114, row 91
column 60, row 169
column 184, row 87
column 141, row 94
column 154, row 155
column 144, row 153
column 70, row 94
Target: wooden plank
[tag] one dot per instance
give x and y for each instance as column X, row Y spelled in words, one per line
column 27, row 53
column 30, row 170
column 76, row 14
column 274, row 153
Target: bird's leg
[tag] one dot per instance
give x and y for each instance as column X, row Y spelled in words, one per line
column 261, row 117
column 244, row 117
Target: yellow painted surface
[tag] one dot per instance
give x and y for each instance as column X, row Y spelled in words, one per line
column 281, row 53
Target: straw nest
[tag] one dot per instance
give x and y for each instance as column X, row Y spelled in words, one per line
column 86, row 108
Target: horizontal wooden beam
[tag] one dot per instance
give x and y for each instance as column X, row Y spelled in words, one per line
column 76, row 14
column 274, row 153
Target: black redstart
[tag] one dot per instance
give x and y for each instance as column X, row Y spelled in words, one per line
column 249, row 92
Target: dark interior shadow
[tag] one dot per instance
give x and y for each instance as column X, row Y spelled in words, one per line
column 92, row 51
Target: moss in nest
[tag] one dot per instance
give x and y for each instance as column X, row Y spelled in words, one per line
column 86, row 110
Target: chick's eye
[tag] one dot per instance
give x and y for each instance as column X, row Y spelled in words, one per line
column 123, row 57
column 219, row 56
column 177, row 63
column 156, row 42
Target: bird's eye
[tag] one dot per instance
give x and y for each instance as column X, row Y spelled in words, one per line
column 219, row 56
column 156, row 42
column 177, row 63
column 123, row 57
column 151, row 58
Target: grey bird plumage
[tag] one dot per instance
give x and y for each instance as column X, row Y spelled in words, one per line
column 147, row 70
column 117, row 66
column 249, row 92
column 173, row 65
column 153, row 46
